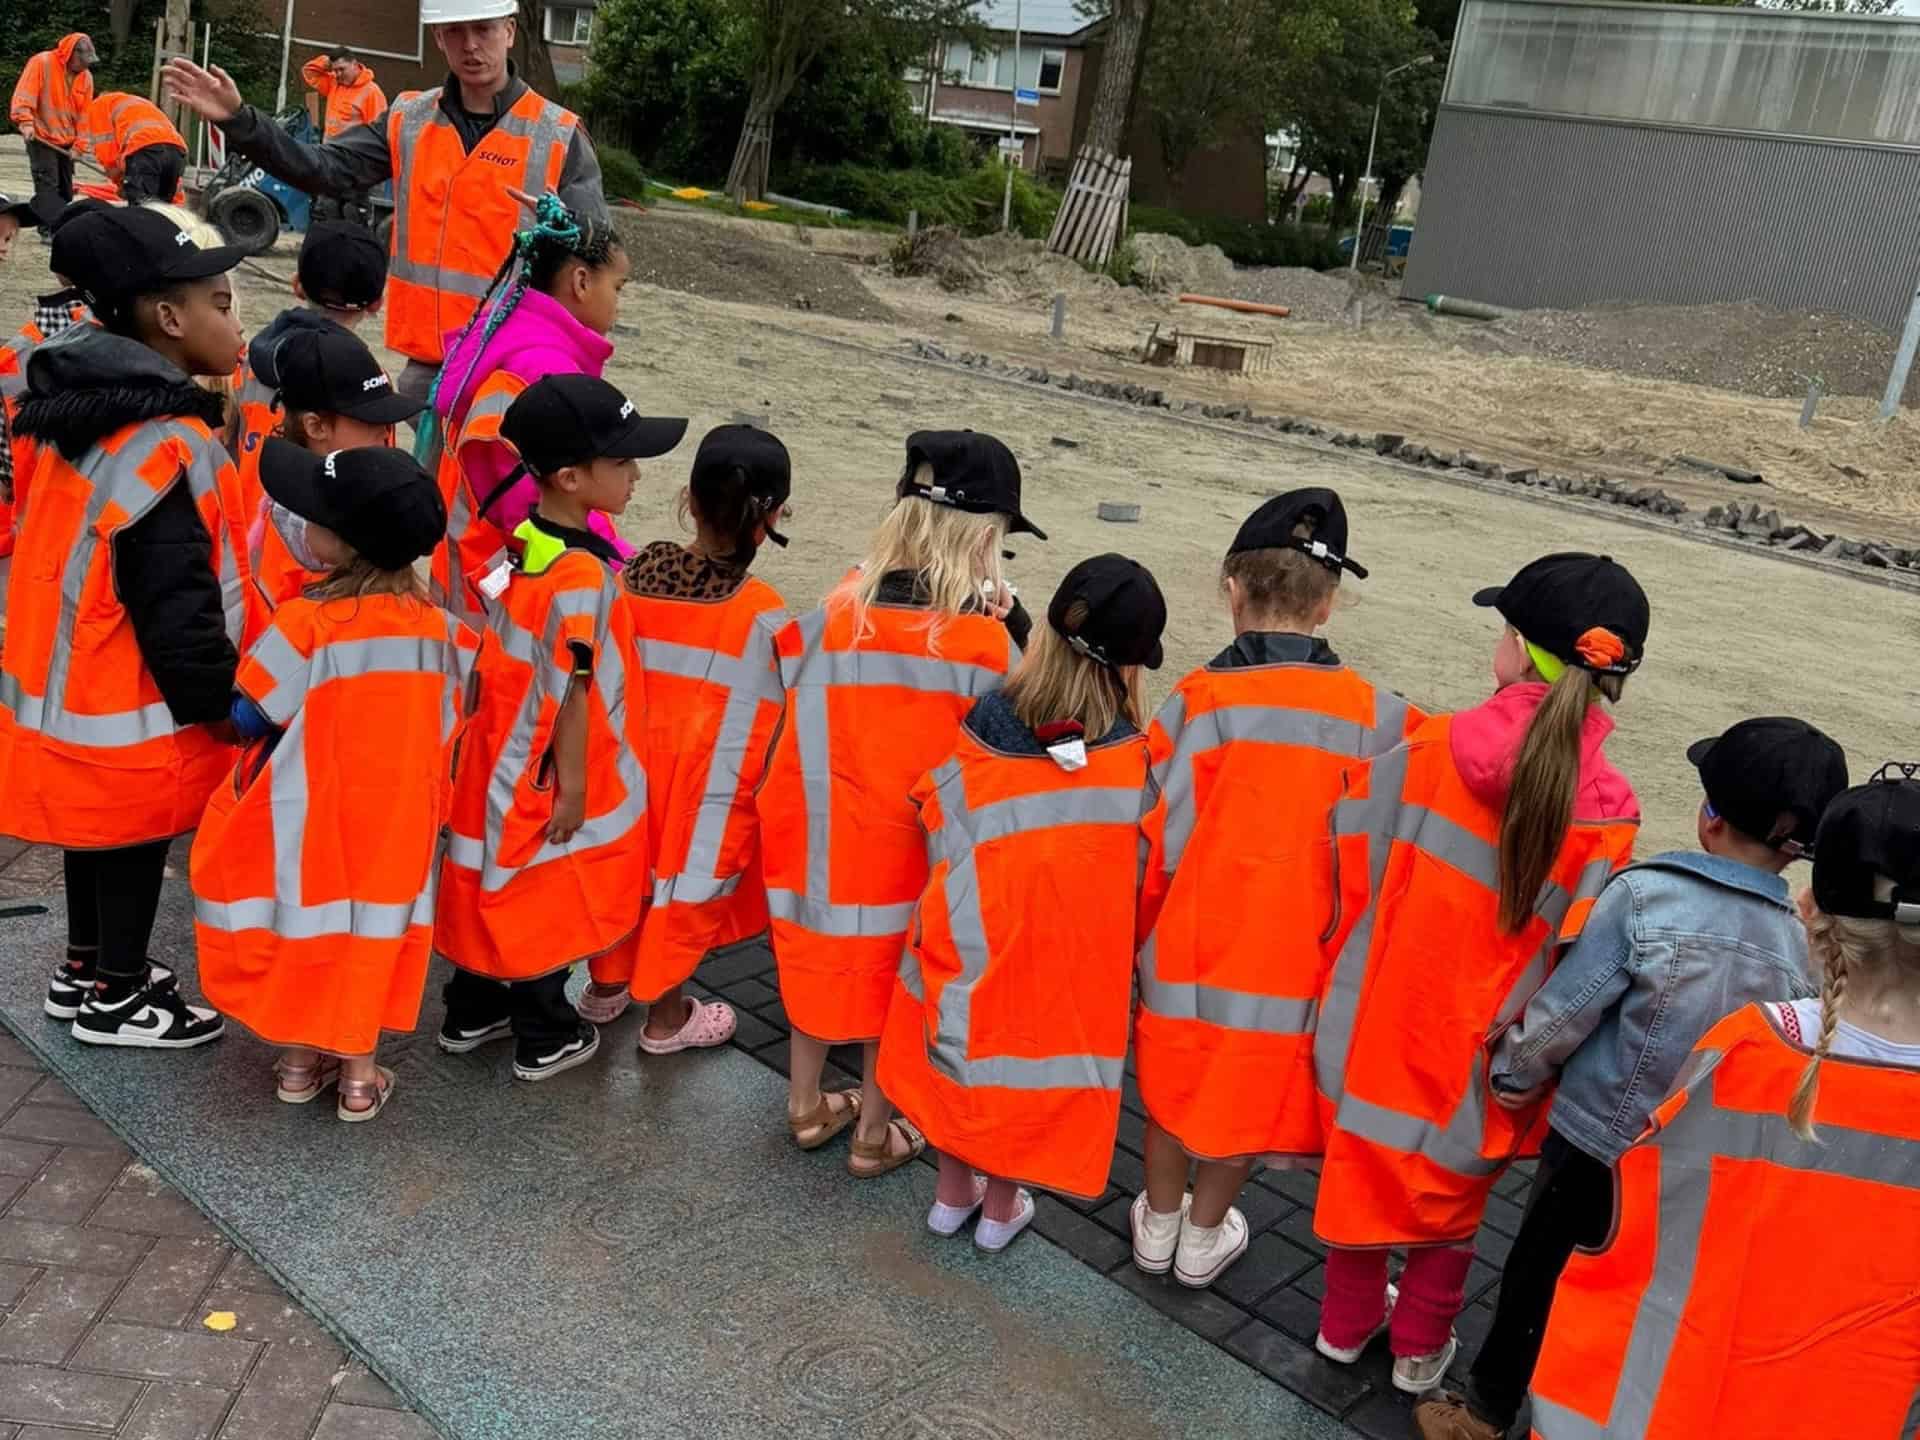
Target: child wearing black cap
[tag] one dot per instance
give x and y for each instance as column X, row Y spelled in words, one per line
column 878, row 680
column 1006, row 1038
column 547, row 863
column 90, row 760
column 704, row 631
column 1674, row 944
column 1465, row 859
column 1248, row 753
column 314, row 924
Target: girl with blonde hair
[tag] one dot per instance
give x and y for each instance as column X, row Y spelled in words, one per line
column 877, row 681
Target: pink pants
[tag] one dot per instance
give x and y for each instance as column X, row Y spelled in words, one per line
column 1431, row 1289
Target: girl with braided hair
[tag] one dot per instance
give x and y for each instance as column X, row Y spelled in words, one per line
column 549, row 312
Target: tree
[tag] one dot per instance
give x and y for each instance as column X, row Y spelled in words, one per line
column 245, row 42
column 1120, row 63
column 531, row 57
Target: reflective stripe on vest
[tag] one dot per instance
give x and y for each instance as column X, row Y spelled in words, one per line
column 13, row 363
column 480, row 424
column 120, row 125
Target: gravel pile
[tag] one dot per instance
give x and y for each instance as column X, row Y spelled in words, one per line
column 1316, row 297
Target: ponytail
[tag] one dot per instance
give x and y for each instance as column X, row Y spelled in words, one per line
column 1824, row 940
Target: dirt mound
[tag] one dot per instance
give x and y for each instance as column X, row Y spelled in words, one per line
column 1168, row 263
column 683, row 251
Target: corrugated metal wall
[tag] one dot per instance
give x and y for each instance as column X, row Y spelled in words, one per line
column 1533, row 211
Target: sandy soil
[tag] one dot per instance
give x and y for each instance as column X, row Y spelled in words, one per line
column 1734, row 633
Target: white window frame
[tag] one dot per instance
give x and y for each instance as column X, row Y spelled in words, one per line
column 1040, row 80
column 576, row 12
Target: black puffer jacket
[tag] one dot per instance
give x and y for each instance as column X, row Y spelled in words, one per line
column 81, row 387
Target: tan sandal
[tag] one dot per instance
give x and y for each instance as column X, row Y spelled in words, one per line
column 378, row 1090
column 823, row 1122
column 297, row 1084
column 873, row 1158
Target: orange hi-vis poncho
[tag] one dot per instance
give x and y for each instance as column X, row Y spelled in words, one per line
column 1249, row 760
column 714, row 702
column 313, row 871
column 513, row 904
column 1422, row 981
column 347, row 105
column 454, row 218
column 119, row 125
column 474, row 545
column 841, row 844
column 1007, row 1036
column 1755, row 1284
column 51, row 98
column 90, row 756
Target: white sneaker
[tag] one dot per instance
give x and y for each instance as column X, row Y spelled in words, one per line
column 945, row 1219
column 1205, row 1253
column 1418, row 1374
column 1156, row 1236
column 1343, row 1356
column 993, row 1236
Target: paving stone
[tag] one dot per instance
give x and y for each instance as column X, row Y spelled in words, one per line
column 1128, row 1175
column 1263, row 1208
column 271, row 1317
column 33, row 1393
column 50, row 1242
column 54, row 1315
column 179, row 1412
column 1279, row 1356
column 1201, row 1311
column 161, row 1211
column 1300, row 1186
column 23, row 1157
column 17, row 1082
column 1133, row 1133
column 362, row 1422
column 1481, row 1277
column 750, row 1032
column 775, row 1056
column 728, row 966
column 167, row 1287
column 285, row 1394
column 1116, row 1214
column 1313, row 1283
column 14, row 1280
column 1294, row 1311
column 362, row 1387
column 1493, row 1247
column 1504, row 1215
column 1078, row 1236
column 61, row 1125
column 1384, row 1415
column 1297, row 1226
column 243, row 1274
column 776, row 1016
column 13, row 1051
column 70, row 1186
column 1270, row 1262
column 198, row 1359
column 751, row 993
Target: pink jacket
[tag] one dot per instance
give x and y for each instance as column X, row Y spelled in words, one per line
column 539, row 338
column 1486, row 742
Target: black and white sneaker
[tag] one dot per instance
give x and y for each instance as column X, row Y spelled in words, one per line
column 459, row 1042
column 577, row 1051
column 67, row 991
column 154, row 1017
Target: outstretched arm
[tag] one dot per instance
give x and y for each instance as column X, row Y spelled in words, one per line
column 356, row 160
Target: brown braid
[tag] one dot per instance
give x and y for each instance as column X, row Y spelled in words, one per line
column 1825, row 941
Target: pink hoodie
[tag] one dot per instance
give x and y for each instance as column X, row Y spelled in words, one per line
column 539, row 338
column 1486, row 741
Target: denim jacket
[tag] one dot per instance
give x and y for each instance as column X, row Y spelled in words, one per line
column 1674, row 945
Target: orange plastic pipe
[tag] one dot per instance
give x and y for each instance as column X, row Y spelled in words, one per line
column 1246, row 307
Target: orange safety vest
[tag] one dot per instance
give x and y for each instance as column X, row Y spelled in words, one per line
column 313, row 869
column 90, row 756
column 1755, row 1284
column 1007, row 1036
column 118, row 125
column 50, row 98
column 453, row 220
column 347, row 105
column 1422, row 982
column 844, row 857
column 1249, row 762
column 513, row 905
column 474, row 545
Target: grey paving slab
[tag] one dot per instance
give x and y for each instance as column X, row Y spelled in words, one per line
column 628, row 1249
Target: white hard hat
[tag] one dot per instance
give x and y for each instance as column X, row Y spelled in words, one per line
column 453, row 12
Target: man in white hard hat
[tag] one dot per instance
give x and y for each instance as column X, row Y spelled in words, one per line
column 455, row 154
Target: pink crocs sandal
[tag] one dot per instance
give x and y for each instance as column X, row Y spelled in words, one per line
column 602, row 1005
column 709, row 1023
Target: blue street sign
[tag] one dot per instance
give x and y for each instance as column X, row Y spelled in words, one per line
column 1026, row 97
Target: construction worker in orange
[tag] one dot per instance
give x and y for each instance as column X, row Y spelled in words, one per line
column 134, row 142
column 1760, row 1275
column 704, row 632
column 124, row 603
column 1006, row 1040
column 1467, row 858
column 313, row 869
column 547, row 856
column 49, row 109
column 454, row 153
column 349, row 97
column 878, row 680
column 1248, row 754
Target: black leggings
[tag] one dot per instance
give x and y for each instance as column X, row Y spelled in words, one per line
column 112, row 898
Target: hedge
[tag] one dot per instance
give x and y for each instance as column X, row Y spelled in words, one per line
column 969, row 203
column 1245, row 242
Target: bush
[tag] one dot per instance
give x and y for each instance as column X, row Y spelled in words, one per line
column 1244, row 242
column 621, row 173
column 970, row 203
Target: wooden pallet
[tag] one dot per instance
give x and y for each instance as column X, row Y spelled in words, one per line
column 1235, row 353
column 1093, row 216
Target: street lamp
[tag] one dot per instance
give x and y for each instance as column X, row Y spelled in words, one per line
column 1360, row 229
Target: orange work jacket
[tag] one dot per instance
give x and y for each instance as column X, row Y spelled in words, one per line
column 346, row 105
column 313, row 869
column 714, row 701
column 453, row 220
column 119, row 125
column 1422, row 982
column 90, row 756
column 1249, row 762
column 841, row 846
column 51, row 99
column 1007, row 1036
column 474, row 545
column 1754, row 1284
column 514, row 905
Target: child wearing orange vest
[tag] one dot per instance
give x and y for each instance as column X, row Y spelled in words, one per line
column 547, row 859
column 1759, row 1274
column 878, row 680
column 1248, row 755
column 1006, row 1038
column 1465, row 859
column 704, row 631
column 350, row 705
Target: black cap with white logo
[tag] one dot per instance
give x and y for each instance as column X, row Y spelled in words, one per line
column 1867, row 859
column 971, row 472
column 1276, row 526
column 573, row 419
column 1126, row 613
column 1772, row 778
column 331, row 371
column 375, row 498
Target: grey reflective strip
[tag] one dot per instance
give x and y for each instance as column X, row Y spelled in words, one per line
column 685, row 889
column 14, row 383
column 494, row 402
column 820, row 668
column 910, row 975
column 276, row 654
column 336, row 918
column 407, row 125
column 1701, row 1133
column 844, row 922
column 434, row 277
column 1455, row 1147
column 1218, row 1005
column 42, row 713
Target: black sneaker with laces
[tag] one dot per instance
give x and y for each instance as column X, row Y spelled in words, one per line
column 564, row 1056
column 67, row 989
column 456, row 1041
column 153, row 1016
